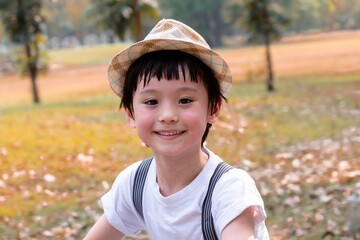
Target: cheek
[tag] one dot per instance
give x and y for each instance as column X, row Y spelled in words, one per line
column 143, row 118
column 196, row 119
column 144, row 126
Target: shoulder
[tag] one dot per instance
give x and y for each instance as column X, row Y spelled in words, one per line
column 126, row 177
column 237, row 178
column 236, row 185
column 235, row 192
column 128, row 173
column 118, row 204
column 234, row 178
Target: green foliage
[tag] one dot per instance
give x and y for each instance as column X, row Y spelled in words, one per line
column 41, row 58
column 295, row 16
column 263, row 17
column 23, row 23
column 21, row 19
column 67, row 18
column 119, row 16
column 308, row 15
column 208, row 14
column 72, row 17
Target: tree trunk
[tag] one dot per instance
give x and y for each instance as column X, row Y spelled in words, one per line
column 33, row 74
column 110, row 37
column 138, row 27
column 218, row 27
column 31, row 63
column 34, row 88
column 270, row 75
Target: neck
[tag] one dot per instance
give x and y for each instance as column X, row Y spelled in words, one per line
column 175, row 173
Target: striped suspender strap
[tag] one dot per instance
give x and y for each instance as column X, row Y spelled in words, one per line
column 207, row 221
column 139, row 183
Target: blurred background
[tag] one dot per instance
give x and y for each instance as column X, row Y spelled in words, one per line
column 292, row 120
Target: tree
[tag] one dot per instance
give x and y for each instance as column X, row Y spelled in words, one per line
column 205, row 16
column 68, row 18
column 23, row 23
column 263, row 22
column 121, row 15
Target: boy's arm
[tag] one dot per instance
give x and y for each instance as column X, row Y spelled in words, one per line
column 102, row 229
column 241, row 228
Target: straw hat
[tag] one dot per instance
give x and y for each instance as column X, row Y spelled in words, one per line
column 169, row 34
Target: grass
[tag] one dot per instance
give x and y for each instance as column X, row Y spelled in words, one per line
column 56, row 138
column 297, row 112
column 85, row 56
column 58, row 158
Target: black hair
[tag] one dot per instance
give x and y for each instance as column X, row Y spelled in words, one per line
column 166, row 64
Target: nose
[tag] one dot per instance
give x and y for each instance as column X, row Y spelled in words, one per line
column 168, row 114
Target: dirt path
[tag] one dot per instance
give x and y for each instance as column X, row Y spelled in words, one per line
column 54, row 83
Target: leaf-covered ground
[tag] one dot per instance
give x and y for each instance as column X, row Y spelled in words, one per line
column 301, row 144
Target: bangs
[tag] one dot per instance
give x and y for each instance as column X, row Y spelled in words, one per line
column 167, row 65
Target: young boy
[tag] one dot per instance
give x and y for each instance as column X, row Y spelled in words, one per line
column 171, row 86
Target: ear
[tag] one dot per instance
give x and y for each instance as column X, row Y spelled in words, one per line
column 130, row 118
column 215, row 112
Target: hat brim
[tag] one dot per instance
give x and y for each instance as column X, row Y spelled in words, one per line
column 119, row 65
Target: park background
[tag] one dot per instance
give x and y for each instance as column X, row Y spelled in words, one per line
column 300, row 141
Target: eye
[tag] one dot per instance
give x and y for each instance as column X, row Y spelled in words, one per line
column 185, row 101
column 151, row 102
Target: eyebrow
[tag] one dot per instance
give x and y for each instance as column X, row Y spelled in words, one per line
column 182, row 89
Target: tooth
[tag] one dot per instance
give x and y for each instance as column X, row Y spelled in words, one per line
column 169, row 133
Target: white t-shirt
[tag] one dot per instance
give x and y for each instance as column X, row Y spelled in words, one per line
column 179, row 216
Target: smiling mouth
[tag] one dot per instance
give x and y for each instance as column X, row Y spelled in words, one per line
column 172, row 133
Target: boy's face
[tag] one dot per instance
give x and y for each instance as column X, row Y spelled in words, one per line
column 171, row 115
